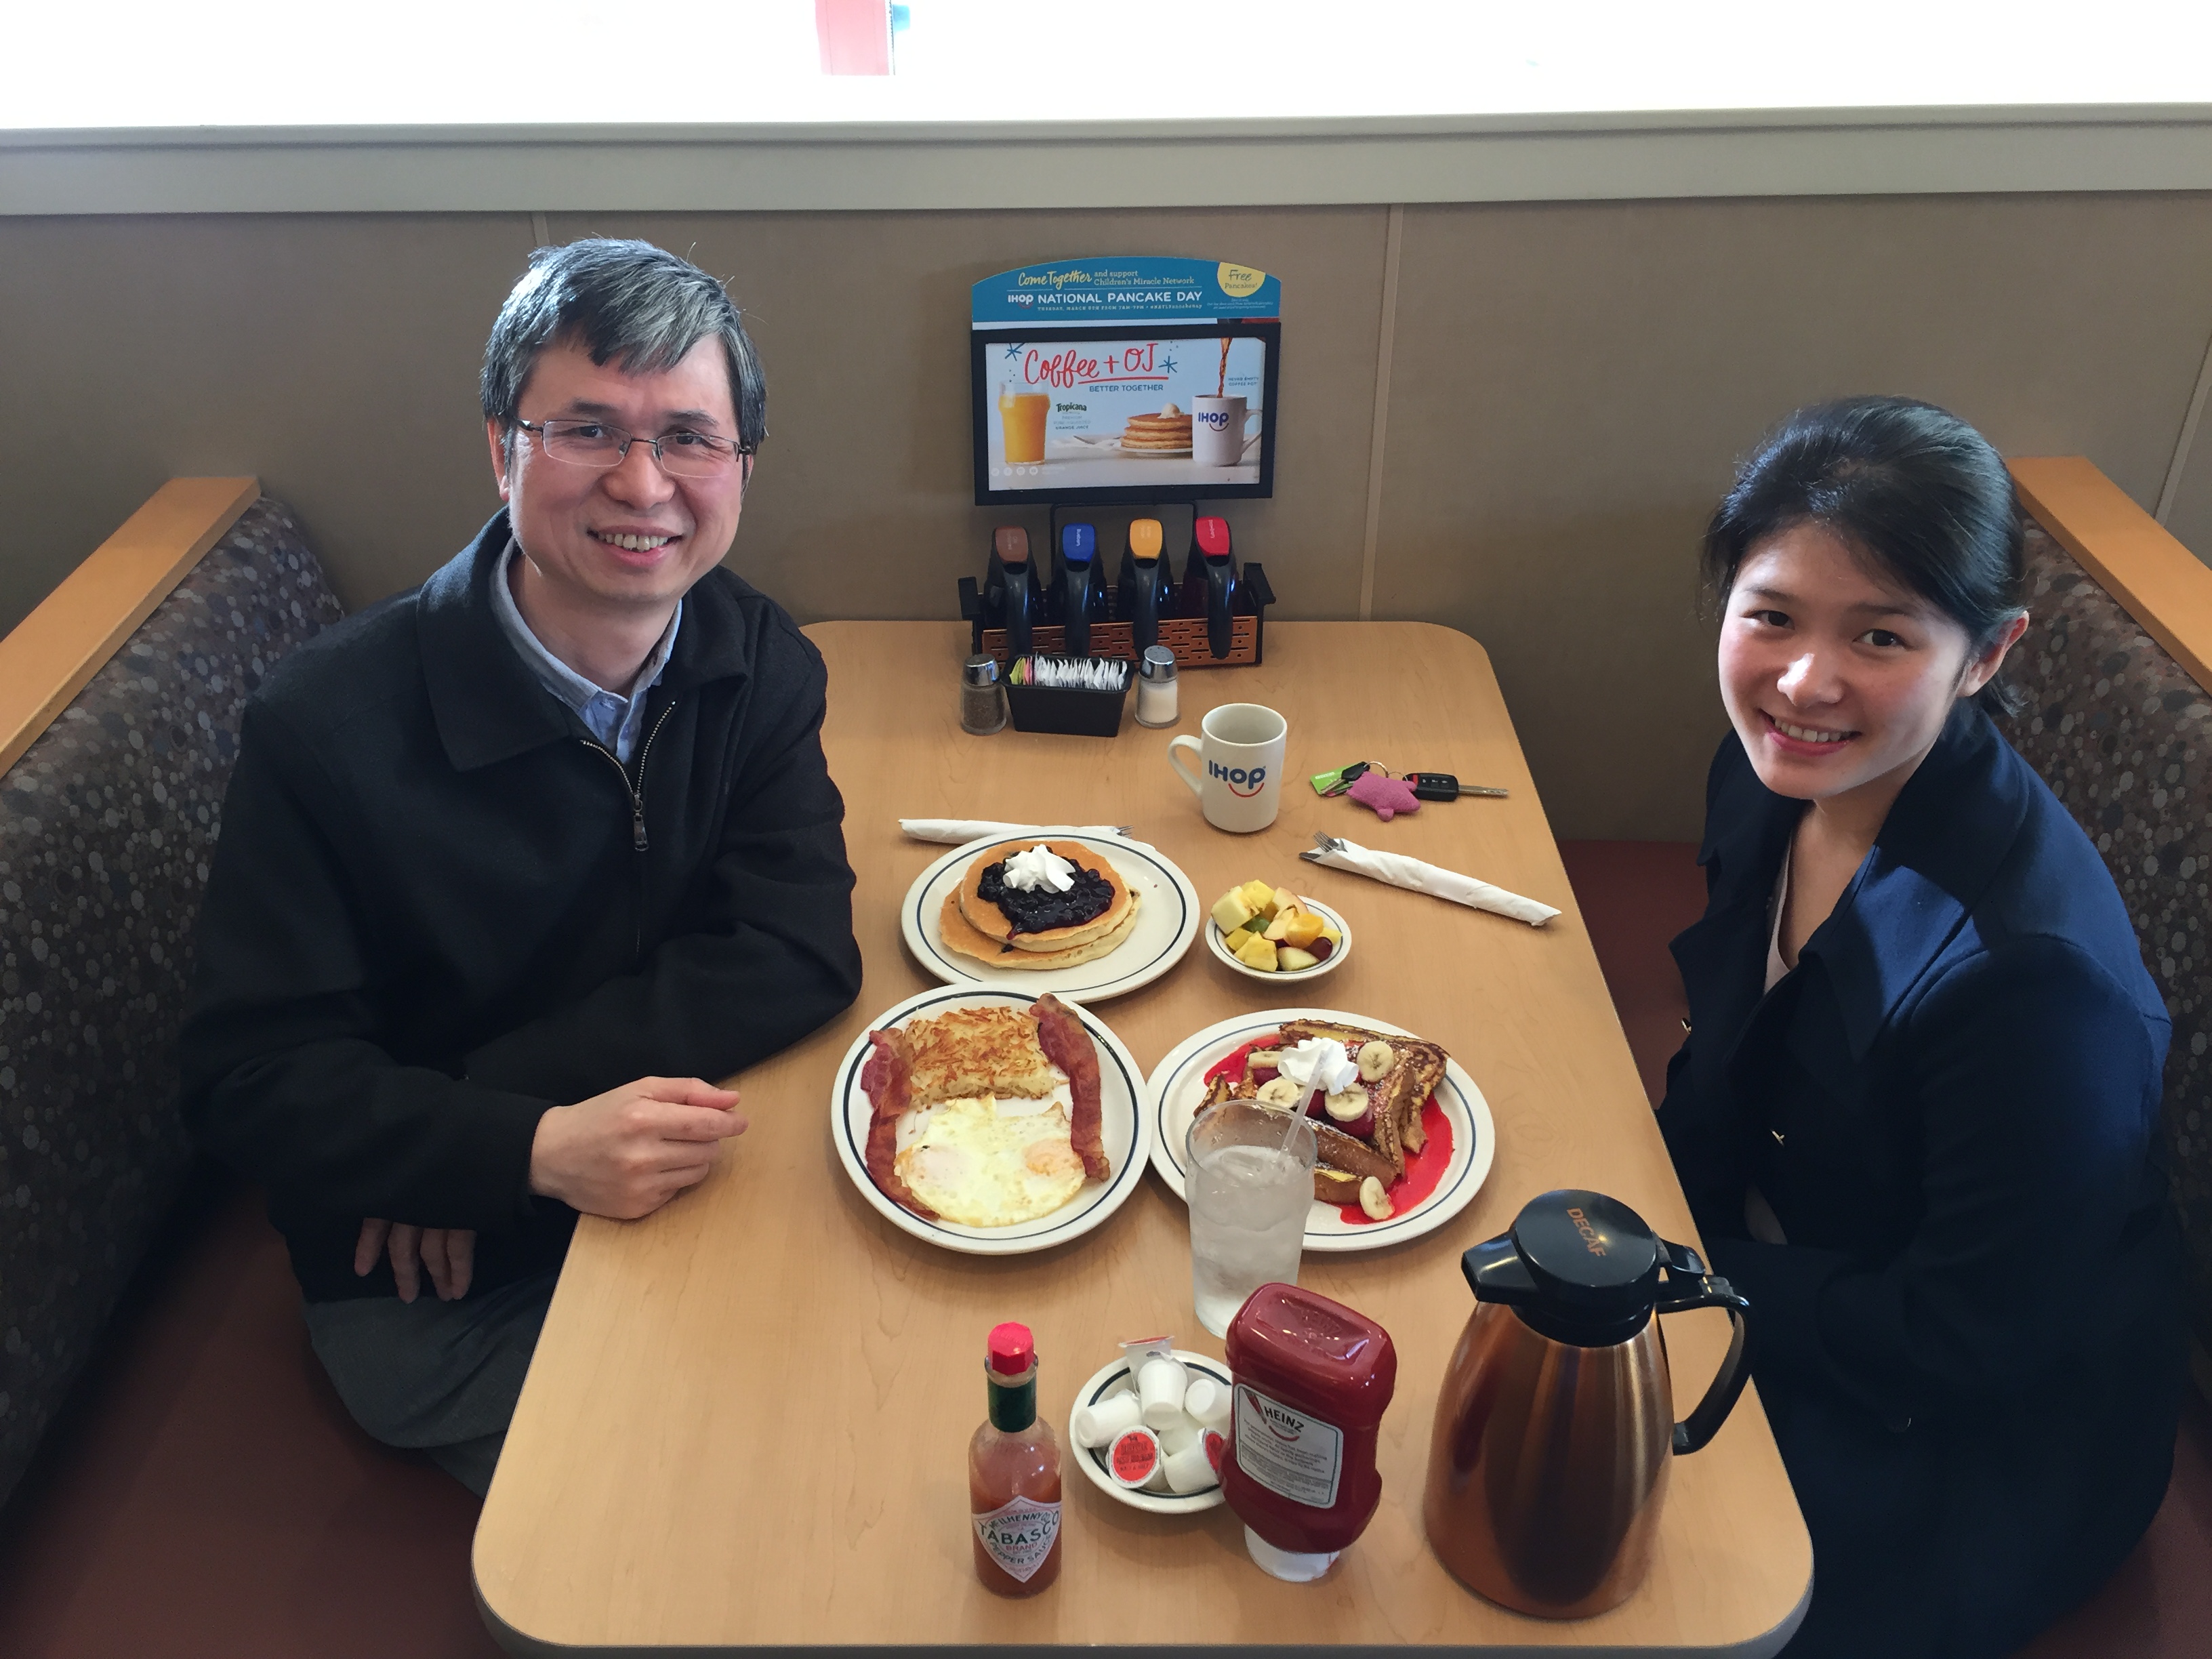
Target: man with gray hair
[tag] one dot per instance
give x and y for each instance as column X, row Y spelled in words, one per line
column 515, row 864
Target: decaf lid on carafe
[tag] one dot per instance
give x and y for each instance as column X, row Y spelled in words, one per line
column 1578, row 1266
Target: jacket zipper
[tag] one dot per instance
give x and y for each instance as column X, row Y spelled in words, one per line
column 637, row 794
column 635, row 791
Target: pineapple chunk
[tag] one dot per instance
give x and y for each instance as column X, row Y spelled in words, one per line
column 1258, row 953
column 1230, row 911
column 1331, row 935
column 1237, row 939
column 1303, row 929
column 1289, row 959
column 1260, row 898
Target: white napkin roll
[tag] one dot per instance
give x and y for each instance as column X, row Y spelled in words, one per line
column 1400, row 870
column 956, row 832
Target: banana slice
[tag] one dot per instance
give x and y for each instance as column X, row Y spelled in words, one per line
column 1374, row 1200
column 1375, row 1059
column 1280, row 1092
column 1346, row 1105
column 1263, row 1057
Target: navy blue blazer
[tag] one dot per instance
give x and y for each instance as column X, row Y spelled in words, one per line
column 1971, row 1346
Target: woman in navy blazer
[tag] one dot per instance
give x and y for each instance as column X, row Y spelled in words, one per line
column 1915, row 1113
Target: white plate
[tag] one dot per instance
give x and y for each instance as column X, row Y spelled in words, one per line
column 1124, row 1128
column 1168, row 920
column 1092, row 1460
column 1335, row 919
column 1178, row 1085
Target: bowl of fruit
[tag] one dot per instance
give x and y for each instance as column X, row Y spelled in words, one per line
column 1271, row 932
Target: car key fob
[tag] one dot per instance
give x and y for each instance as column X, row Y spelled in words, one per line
column 1442, row 786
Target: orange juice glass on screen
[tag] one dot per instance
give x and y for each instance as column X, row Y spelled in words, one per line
column 1022, row 415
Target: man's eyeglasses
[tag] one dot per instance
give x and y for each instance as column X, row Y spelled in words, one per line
column 595, row 444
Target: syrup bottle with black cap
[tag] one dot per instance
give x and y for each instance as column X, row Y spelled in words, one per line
column 1013, row 1474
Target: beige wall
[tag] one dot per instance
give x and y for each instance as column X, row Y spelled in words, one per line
column 1568, row 386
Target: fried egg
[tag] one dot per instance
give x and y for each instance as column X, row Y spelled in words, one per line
column 989, row 1163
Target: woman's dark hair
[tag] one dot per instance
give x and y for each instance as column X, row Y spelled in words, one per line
column 1909, row 487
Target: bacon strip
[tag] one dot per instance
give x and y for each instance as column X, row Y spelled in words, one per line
column 1068, row 1045
column 888, row 1078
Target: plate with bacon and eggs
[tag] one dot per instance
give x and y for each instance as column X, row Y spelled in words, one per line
column 991, row 1122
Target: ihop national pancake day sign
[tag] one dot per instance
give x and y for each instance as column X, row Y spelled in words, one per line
column 1132, row 379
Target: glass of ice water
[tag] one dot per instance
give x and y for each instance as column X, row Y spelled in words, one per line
column 1249, row 1183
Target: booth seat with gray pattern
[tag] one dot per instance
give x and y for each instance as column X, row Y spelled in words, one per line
column 2123, row 735
column 106, row 825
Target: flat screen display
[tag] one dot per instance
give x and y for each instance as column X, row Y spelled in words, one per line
column 1161, row 412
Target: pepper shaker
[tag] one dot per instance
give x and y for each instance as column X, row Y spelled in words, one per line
column 982, row 699
column 1156, row 687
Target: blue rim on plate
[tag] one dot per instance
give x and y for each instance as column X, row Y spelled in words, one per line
column 1109, row 976
column 1474, row 1134
column 1093, row 1459
column 1090, row 1208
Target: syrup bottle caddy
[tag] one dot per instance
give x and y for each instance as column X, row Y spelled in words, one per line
column 1214, row 616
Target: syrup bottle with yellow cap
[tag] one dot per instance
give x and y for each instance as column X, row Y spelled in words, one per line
column 1147, row 587
column 1013, row 1474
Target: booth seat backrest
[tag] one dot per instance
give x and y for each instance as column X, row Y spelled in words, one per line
column 106, row 825
column 2124, row 736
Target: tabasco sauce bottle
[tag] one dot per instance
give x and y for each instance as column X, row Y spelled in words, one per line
column 1013, row 1474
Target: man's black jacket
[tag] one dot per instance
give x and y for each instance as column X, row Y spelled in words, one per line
column 432, row 913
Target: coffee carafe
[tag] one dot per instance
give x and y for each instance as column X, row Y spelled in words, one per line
column 1555, row 1430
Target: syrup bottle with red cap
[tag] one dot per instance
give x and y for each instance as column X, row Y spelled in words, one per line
column 1013, row 1474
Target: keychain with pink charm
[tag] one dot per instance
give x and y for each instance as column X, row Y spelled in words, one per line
column 1373, row 788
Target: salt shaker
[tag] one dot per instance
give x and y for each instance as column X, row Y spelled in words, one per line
column 982, row 699
column 1156, row 687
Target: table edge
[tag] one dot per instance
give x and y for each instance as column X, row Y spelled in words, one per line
column 1764, row 1646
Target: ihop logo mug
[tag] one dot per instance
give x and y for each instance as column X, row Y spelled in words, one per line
column 1239, row 784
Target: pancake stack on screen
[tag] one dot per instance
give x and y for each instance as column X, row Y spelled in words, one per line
column 1010, row 912
column 985, row 1117
column 1167, row 432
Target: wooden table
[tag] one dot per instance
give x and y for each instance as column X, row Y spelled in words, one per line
column 747, row 1419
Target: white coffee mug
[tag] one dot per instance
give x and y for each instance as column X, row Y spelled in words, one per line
column 1240, row 783
column 1217, row 431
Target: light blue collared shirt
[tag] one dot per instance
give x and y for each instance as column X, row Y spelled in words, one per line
column 615, row 720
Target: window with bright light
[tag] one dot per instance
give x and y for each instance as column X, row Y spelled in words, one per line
column 594, row 63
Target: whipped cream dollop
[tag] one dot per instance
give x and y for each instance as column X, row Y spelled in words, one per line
column 1319, row 1063
column 1042, row 868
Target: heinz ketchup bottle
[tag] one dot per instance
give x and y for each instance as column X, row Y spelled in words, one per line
column 1313, row 1378
column 1013, row 1474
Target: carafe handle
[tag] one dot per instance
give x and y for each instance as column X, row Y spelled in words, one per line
column 1687, row 1285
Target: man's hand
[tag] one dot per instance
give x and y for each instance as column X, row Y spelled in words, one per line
column 450, row 1254
column 627, row 1152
